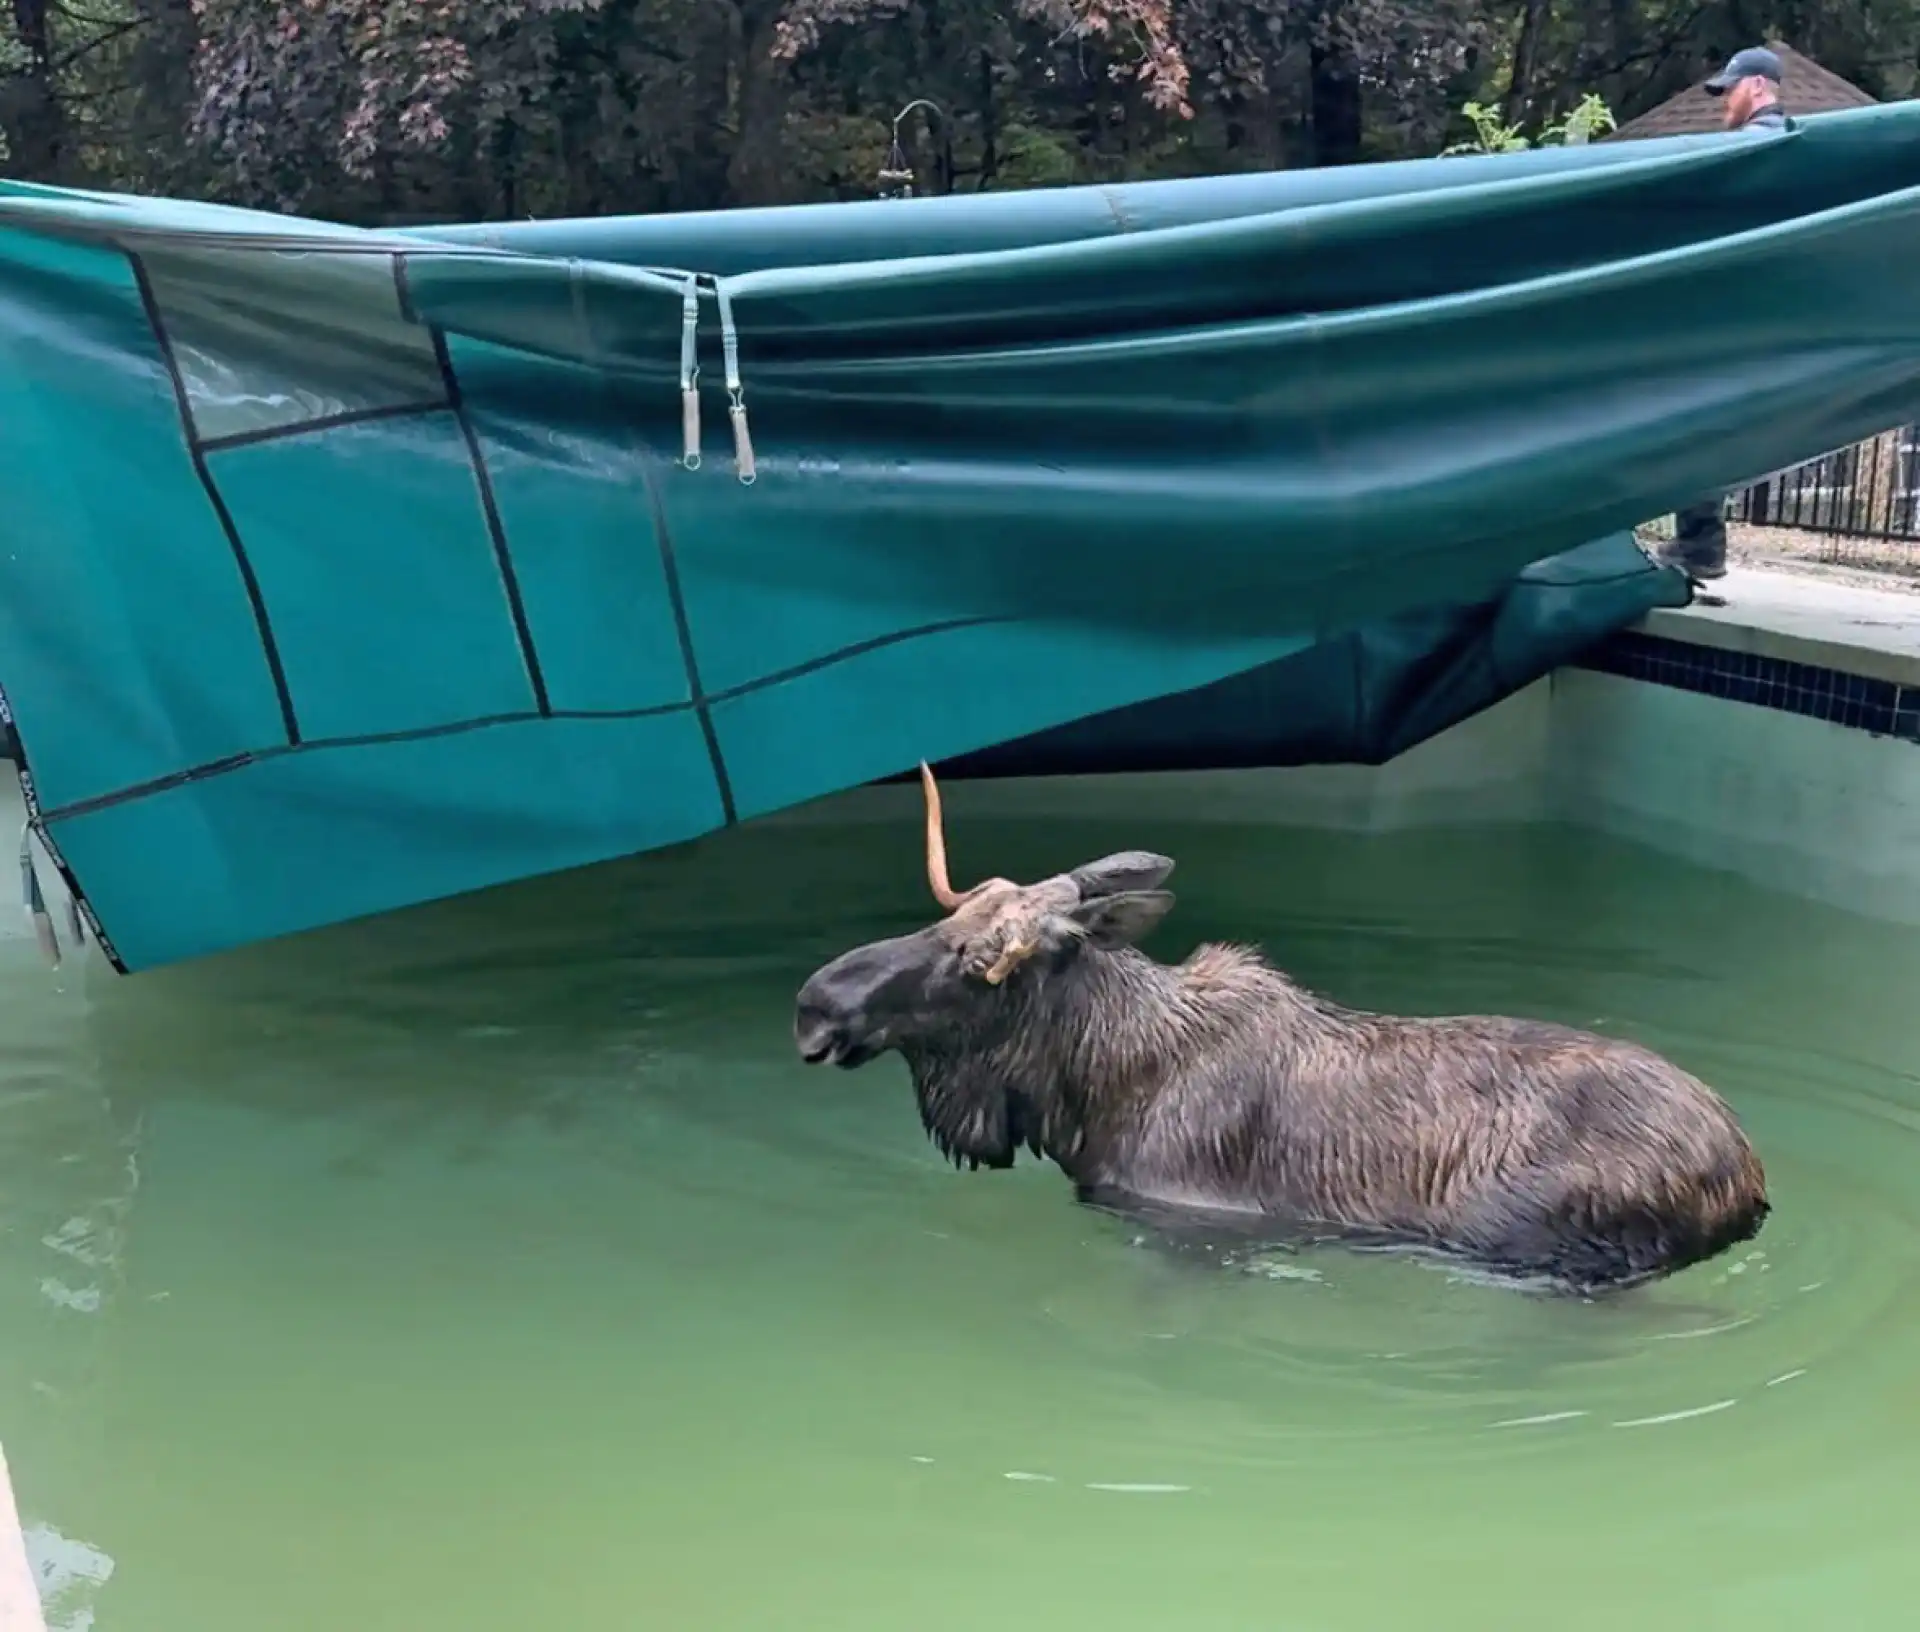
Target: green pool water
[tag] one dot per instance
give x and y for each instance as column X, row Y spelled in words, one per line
column 499, row 1266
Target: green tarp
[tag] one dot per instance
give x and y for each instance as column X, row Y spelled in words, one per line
column 343, row 570
column 1366, row 696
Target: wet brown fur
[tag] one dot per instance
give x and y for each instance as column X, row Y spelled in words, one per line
column 1221, row 1085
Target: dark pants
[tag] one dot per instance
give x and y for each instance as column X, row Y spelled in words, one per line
column 1700, row 538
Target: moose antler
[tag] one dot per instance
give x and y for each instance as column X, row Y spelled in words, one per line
column 943, row 890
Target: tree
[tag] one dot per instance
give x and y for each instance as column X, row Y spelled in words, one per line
column 391, row 110
column 50, row 52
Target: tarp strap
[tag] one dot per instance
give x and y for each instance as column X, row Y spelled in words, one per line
column 693, row 285
column 736, row 393
column 35, row 901
column 690, row 373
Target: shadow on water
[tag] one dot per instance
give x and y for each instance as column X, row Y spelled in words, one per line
column 665, row 982
column 668, row 979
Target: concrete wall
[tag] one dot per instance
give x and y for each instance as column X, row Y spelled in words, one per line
column 1812, row 807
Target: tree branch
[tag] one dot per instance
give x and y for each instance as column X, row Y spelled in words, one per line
column 1659, row 51
column 67, row 59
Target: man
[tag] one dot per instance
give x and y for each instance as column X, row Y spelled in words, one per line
column 1749, row 92
column 1749, row 87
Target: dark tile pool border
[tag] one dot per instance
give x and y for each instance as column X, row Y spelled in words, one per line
column 1856, row 701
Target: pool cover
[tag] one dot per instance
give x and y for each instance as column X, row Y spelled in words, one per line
column 345, row 570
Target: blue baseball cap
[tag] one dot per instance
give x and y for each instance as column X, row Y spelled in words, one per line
column 1754, row 62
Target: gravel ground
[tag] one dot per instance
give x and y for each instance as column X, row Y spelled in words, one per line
column 1866, row 563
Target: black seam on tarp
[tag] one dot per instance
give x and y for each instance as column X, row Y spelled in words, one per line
column 483, row 482
column 369, row 739
column 325, row 422
column 374, row 739
column 30, row 797
column 842, row 654
column 409, row 313
column 697, row 697
column 289, row 719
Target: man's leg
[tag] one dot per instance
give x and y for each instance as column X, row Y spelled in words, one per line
column 1699, row 546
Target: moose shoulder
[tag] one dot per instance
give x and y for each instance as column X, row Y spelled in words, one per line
column 1027, row 1017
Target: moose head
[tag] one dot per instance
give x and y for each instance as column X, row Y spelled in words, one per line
column 964, row 980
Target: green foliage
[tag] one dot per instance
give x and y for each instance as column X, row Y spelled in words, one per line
column 1590, row 117
column 842, row 153
column 1032, row 157
column 1491, row 133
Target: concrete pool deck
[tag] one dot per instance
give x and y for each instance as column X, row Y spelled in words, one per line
column 1804, row 619
column 19, row 1596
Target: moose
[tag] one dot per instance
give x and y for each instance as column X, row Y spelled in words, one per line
column 1221, row 1088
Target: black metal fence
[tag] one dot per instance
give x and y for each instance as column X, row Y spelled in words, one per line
column 1863, row 501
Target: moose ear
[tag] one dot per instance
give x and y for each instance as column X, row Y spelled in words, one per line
column 1110, row 921
column 1116, row 874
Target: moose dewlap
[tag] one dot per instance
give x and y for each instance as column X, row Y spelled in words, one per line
column 1028, row 1017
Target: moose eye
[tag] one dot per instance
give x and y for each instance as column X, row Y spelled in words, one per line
column 979, row 960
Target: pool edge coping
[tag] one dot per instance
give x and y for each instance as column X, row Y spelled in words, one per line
column 20, row 1608
column 1799, row 618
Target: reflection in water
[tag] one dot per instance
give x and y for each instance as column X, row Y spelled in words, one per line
column 69, row 1175
column 499, row 1265
column 68, row 1573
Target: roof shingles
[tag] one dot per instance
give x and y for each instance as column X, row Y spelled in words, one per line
column 1805, row 87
